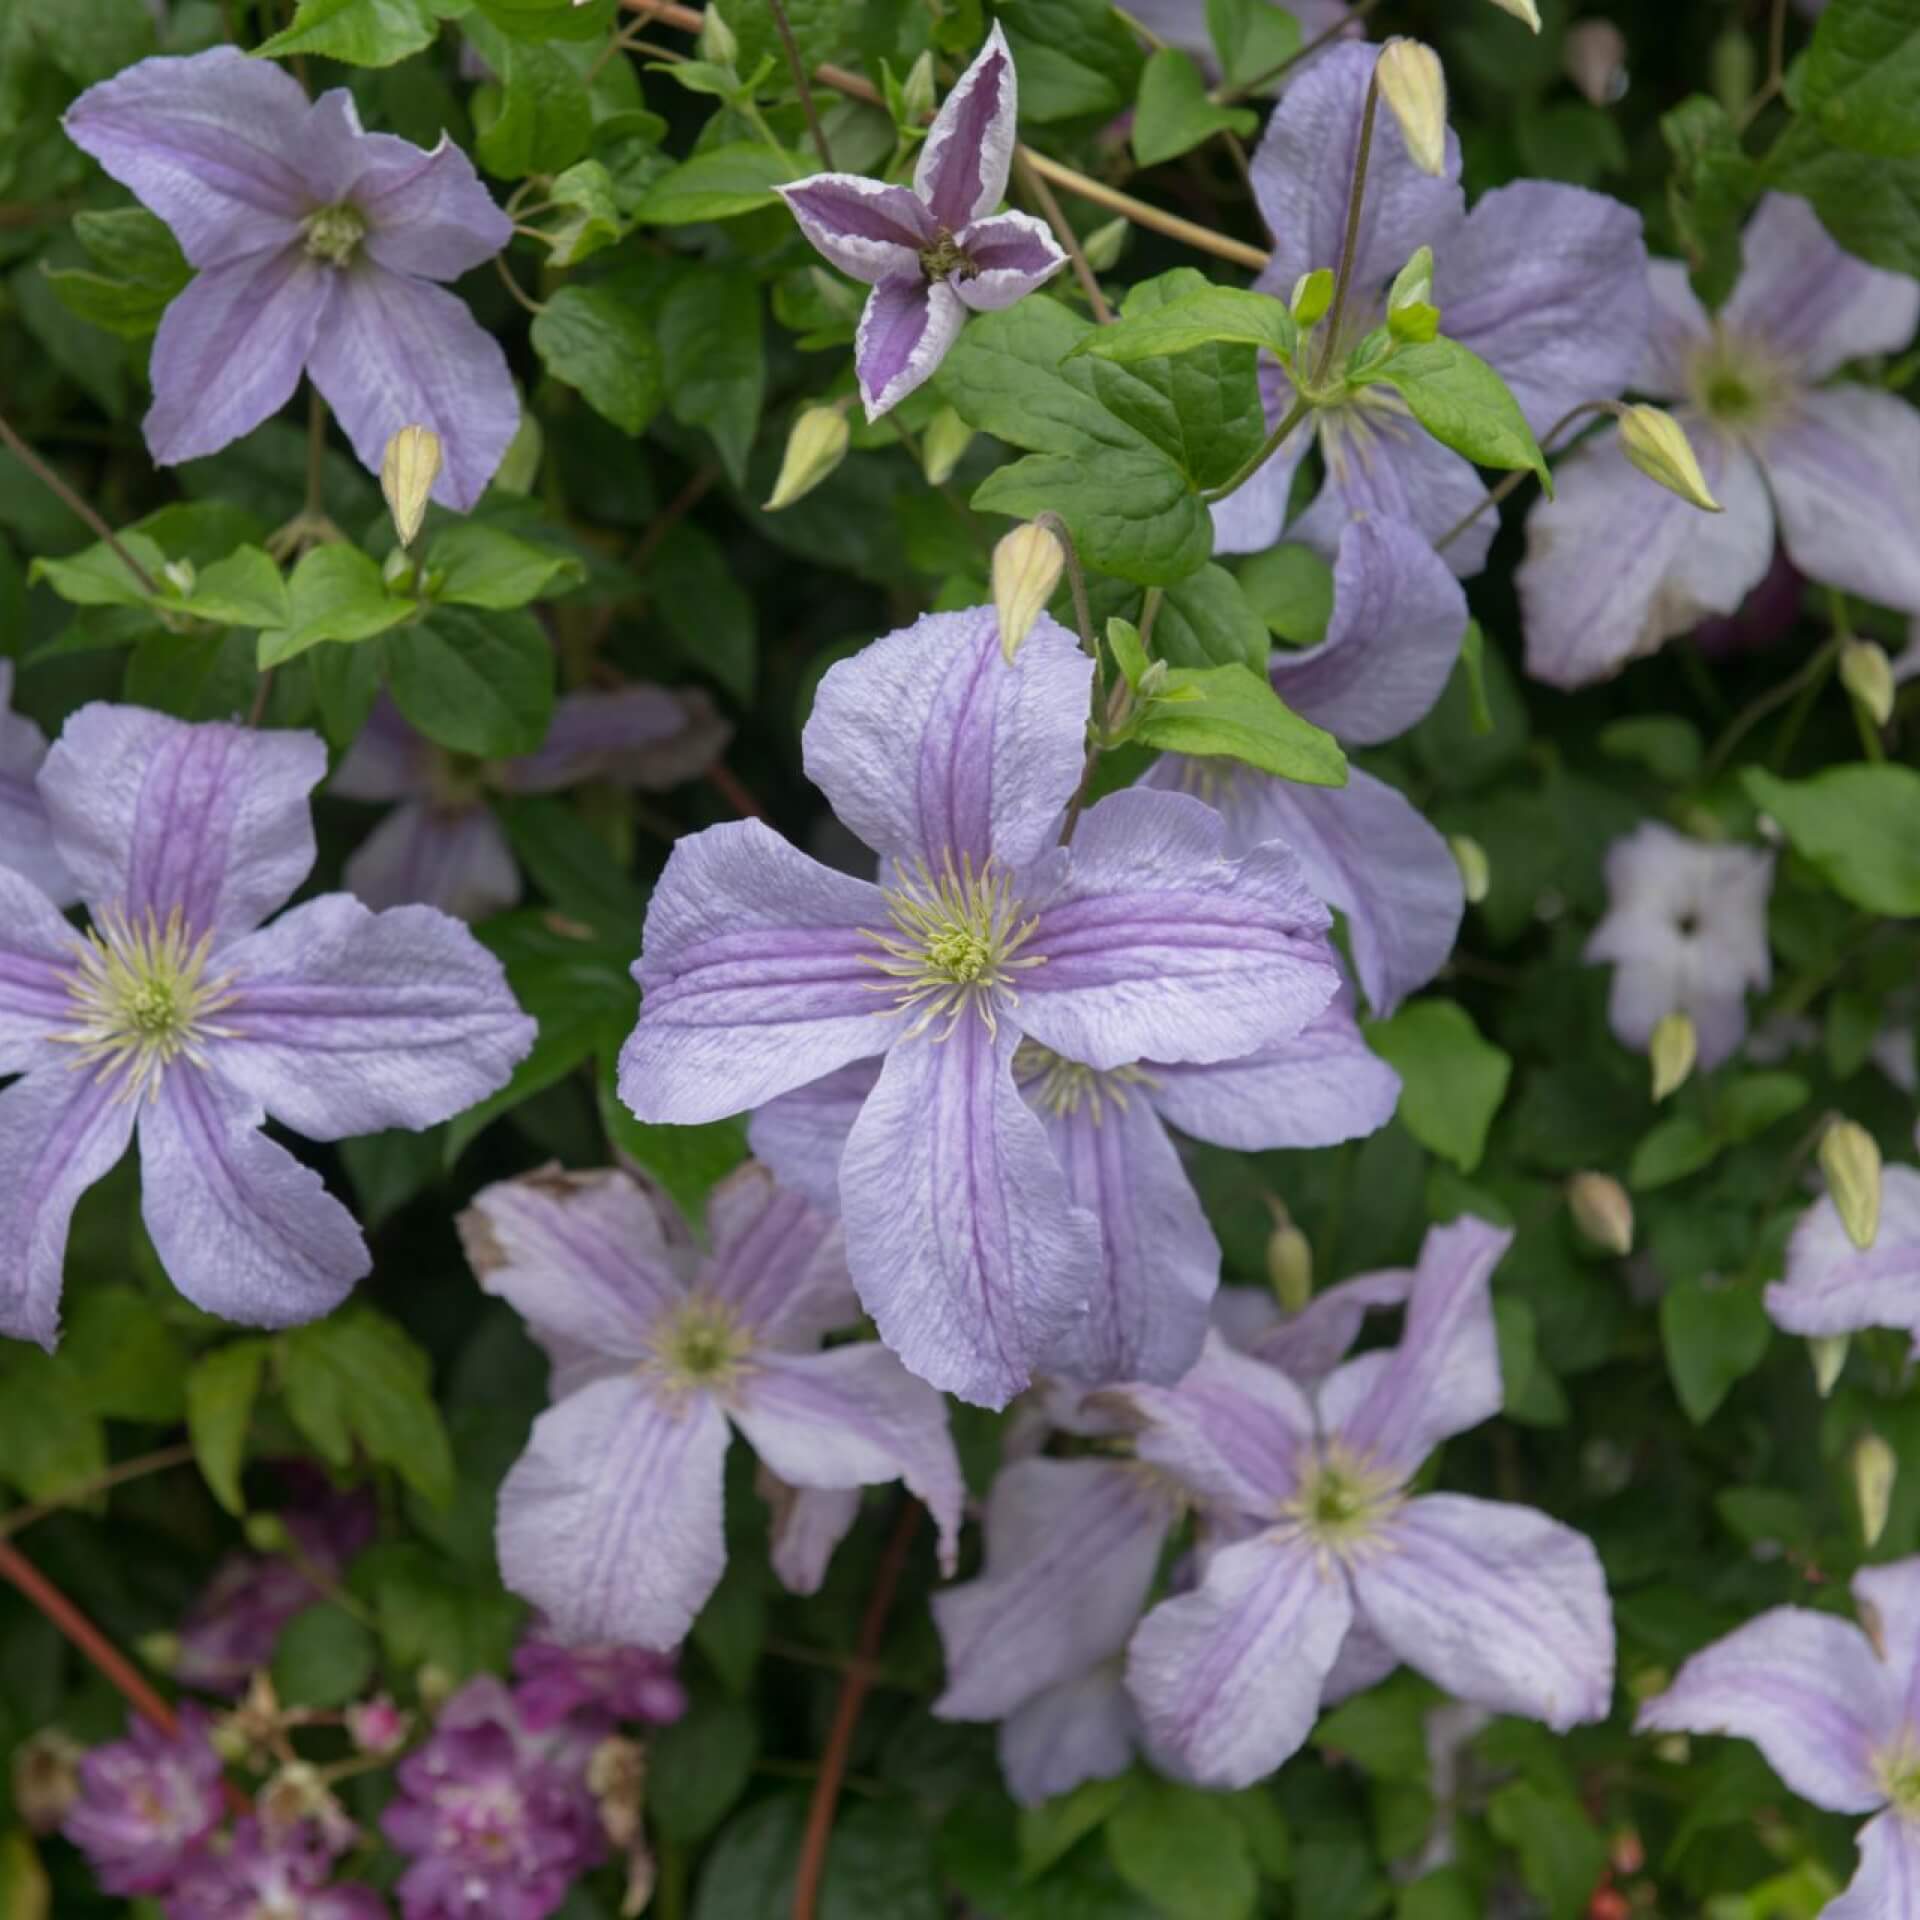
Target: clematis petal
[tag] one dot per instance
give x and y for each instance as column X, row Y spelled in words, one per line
column 203, row 142
column 1364, row 1661
column 60, row 1131
column 1889, row 1602
column 1832, row 1286
column 612, row 1520
column 1083, row 1729
column 388, row 760
column 347, row 1021
column 934, row 749
column 1678, row 329
column 1016, row 255
column 1498, row 1604
column 906, row 328
column 1806, row 1689
column 639, row 736
column 960, row 1235
column 1887, row 1884
column 867, row 229
column 963, row 165
column 808, row 1525
column 397, row 352
column 1227, row 1678
column 803, row 1134
column 230, row 349
column 756, row 977
column 152, row 814
column 1309, row 1345
column 1252, row 517
column 1615, row 564
column 1158, row 946
column 778, row 1261
column 243, row 1229
column 1071, row 1551
column 26, row 839
column 453, row 858
column 36, row 962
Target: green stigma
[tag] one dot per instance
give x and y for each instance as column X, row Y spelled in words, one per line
column 334, row 234
column 699, row 1347
column 1343, row 1503
column 1899, row 1771
column 1735, row 383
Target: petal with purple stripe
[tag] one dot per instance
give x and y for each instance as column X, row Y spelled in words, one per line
column 867, row 229
column 1887, row 1883
column 37, row 950
column 1083, row 1729
column 778, row 1261
column 1014, row 255
column 906, row 328
column 963, row 165
column 26, row 839
column 455, row 858
column 803, row 1134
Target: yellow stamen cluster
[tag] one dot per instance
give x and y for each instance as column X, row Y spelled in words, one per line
column 1899, row 1771
column 1738, row 384
column 1065, row 1086
column 699, row 1347
column 333, row 234
column 956, row 944
column 1342, row 1503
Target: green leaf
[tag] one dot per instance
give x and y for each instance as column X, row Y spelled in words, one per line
column 1229, row 315
column 819, row 30
column 1713, row 184
column 1173, row 115
column 732, row 1627
column 720, row 184
column 1051, row 1830
column 1446, row 1894
column 1290, row 587
column 126, row 1360
column 713, row 358
column 1870, row 204
column 1748, row 1106
column 49, row 1441
column 97, row 576
column 195, row 676
column 430, row 1610
column 1184, row 1851
column 1250, row 38
column 542, row 118
column 479, row 566
column 1462, row 402
column 1452, row 1080
column 475, row 681
column 1562, row 1853
column 699, row 1766
column 323, row 1658
column 749, row 1867
column 572, row 865
column 1861, row 79
column 1667, row 746
column 1205, row 621
column 1233, row 712
column 245, row 589
column 688, row 1161
column 593, row 340
column 1678, row 1146
column 1858, row 827
column 336, row 593
column 591, row 214
column 546, row 19
column 709, row 614
column 1715, row 1334
column 221, row 1391
column 141, row 271
column 1075, row 57
column 1383, row 1730
column 363, row 33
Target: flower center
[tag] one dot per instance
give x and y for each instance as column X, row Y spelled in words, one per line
column 334, row 233
column 1899, row 1771
column 699, row 1346
column 1343, row 1503
column 947, row 259
column 1735, row 383
column 456, row 782
column 1063, row 1086
column 955, row 945
column 142, row 999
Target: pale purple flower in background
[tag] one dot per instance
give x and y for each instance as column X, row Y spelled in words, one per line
column 625, row 1683
column 442, row 845
column 176, row 1019
column 1182, row 24
column 763, row 971
column 611, row 1521
column 1398, row 619
column 318, row 246
column 262, row 1876
column 1686, row 931
column 1832, row 1286
column 1343, row 1574
column 1308, row 1345
column 1615, row 566
column 1835, row 1708
column 26, row 840
column 147, row 1805
column 1546, row 283
column 936, row 252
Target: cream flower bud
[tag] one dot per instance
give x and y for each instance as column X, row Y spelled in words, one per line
column 180, row 575
column 1867, row 675
column 1874, row 1467
column 1602, row 1211
column 1104, row 245
column 717, row 42
column 917, row 89
column 1289, row 1260
column 1828, row 1353
column 1413, row 284
column 1312, row 296
column 1674, row 1048
column 942, row 446
column 408, row 470
column 1656, row 443
column 1412, row 82
column 1476, row 872
column 1521, row 10
column 1027, row 565
column 816, row 444
column 46, row 1778
column 1850, row 1159
column 1595, row 57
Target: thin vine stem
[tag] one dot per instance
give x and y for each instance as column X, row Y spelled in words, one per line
column 798, row 68
column 1228, row 96
column 1041, row 194
column 138, row 1468
column 74, row 503
column 1267, row 449
column 1350, row 241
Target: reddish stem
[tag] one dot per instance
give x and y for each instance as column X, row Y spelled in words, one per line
column 729, row 786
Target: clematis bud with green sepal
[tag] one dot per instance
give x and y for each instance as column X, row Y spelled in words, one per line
column 1027, row 565
column 1656, row 443
column 1850, row 1160
column 816, row 444
column 1673, row 1049
column 1414, row 85
column 1867, row 675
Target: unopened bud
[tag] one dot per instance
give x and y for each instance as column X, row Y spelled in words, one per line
column 1595, row 56
column 180, row 576
column 1027, row 565
column 1850, row 1159
column 815, row 446
column 1476, row 872
column 160, row 1651
column 1413, row 83
column 943, row 444
column 1413, row 284
column 266, row 1533
column 408, row 470
column 1874, row 1467
column 1656, row 443
column 1521, row 10
column 1674, row 1048
column 1602, row 1211
column 718, row 41
column 46, row 1778
column 1312, row 296
column 1104, row 245
column 917, row 89
column 1153, row 679
column 1828, row 1353
column 433, row 1683
column 617, row 1779
column 1289, row 1260
column 396, row 571
column 1867, row 674
column 377, row 1725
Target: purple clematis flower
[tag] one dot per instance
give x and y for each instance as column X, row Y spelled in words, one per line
column 1833, row 1287
column 937, row 252
column 611, row 1520
column 147, row 1805
column 317, row 247
column 174, row 1017
column 625, row 1683
column 263, row 1876
column 1836, row 1710
column 764, row 971
column 1686, row 930
column 443, row 847
column 26, row 840
column 1342, row 1574
column 1614, row 566
column 1546, row 283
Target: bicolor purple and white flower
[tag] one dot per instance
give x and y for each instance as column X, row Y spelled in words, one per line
column 1339, row 1573
column 147, row 1805
column 1686, row 931
column 318, row 246
column 181, row 1020
column 1835, row 1708
column 937, row 251
column 552, row 1681
column 611, row 1521
column 1833, row 1287
column 1614, row 566
column 442, row 845
column 1546, row 283
column 26, row 840
column 764, row 971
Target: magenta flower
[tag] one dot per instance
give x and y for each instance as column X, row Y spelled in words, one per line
column 936, row 252
column 611, row 1521
column 147, row 1805
column 764, row 971
column 263, row 1877
column 26, row 841
column 1836, row 1710
column 176, row 1019
column 1833, row 1287
column 624, row 1683
column 317, row 247
column 1615, row 566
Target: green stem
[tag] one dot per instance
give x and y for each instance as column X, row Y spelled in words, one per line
column 1226, row 96
column 74, row 504
column 1268, row 448
column 1750, row 716
column 1505, row 486
column 1350, row 243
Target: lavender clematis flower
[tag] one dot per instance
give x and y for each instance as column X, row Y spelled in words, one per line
column 1344, row 1573
column 26, row 841
column 1836, row 1710
column 441, row 846
column 625, row 1683
column 270, row 1875
column 1614, row 566
column 175, row 1018
column 611, row 1520
column 1686, row 929
column 147, row 1805
column 936, row 252
column 1833, row 1287
column 764, row 971
column 1546, row 283
column 317, row 247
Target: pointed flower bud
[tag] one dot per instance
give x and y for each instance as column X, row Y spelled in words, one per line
column 916, row 90
column 1027, row 565
column 816, row 445
column 408, row 470
column 1289, row 1260
column 718, row 41
column 1874, row 1467
column 1672, row 1050
column 1476, row 873
column 1867, row 675
column 1312, row 296
column 1850, row 1159
column 1595, row 56
column 180, row 575
column 942, row 446
column 1413, row 83
column 1828, row 1353
column 1602, row 1211
column 1521, row 10
column 1413, row 284
column 1103, row 246
column 1656, row 443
